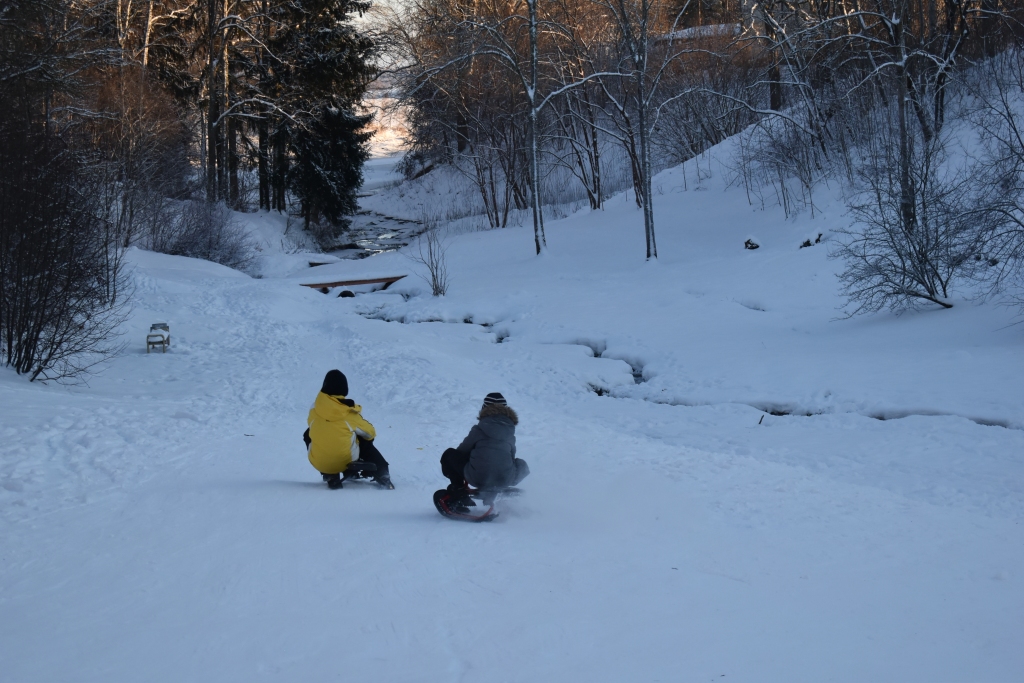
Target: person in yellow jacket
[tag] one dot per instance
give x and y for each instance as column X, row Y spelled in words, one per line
column 339, row 435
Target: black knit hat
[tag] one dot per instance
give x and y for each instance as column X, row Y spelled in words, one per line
column 335, row 384
column 494, row 398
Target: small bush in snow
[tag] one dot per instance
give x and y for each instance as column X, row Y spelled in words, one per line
column 207, row 231
column 431, row 251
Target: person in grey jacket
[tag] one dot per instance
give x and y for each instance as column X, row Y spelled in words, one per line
column 486, row 458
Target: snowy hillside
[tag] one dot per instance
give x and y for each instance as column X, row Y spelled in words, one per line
column 729, row 482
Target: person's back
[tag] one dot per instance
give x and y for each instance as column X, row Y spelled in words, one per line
column 486, row 458
column 335, row 426
column 491, row 446
column 339, row 435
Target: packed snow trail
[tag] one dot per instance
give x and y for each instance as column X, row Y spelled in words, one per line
column 155, row 539
column 163, row 524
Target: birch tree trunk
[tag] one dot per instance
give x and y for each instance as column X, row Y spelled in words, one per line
column 212, row 102
column 907, row 195
column 223, row 128
column 540, row 241
column 644, row 102
column 145, row 39
column 634, row 23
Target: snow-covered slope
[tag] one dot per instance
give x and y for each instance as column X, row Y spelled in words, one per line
column 162, row 523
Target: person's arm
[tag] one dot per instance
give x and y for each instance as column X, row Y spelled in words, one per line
column 358, row 424
column 475, row 434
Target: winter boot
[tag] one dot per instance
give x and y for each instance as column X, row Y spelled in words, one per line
column 384, row 481
column 334, row 482
column 458, row 494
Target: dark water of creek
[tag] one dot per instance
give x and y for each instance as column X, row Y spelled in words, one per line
column 375, row 233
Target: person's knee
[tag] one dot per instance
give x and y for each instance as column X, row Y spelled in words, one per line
column 453, row 462
column 522, row 470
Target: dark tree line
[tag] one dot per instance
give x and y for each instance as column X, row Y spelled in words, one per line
column 271, row 86
column 141, row 122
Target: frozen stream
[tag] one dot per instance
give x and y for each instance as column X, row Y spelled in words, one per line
column 373, row 232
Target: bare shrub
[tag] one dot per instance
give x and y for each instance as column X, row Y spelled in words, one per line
column 997, row 87
column 778, row 154
column 918, row 217
column 432, row 252
column 207, row 231
column 62, row 288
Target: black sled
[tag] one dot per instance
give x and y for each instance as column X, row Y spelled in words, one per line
column 453, row 508
column 459, row 509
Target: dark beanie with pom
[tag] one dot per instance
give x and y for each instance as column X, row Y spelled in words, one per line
column 494, row 398
column 335, row 384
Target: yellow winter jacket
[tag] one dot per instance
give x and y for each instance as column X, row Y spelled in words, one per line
column 333, row 428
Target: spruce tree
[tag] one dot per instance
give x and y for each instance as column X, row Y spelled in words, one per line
column 329, row 152
column 326, row 76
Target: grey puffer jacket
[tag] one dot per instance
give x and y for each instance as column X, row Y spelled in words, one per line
column 491, row 445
